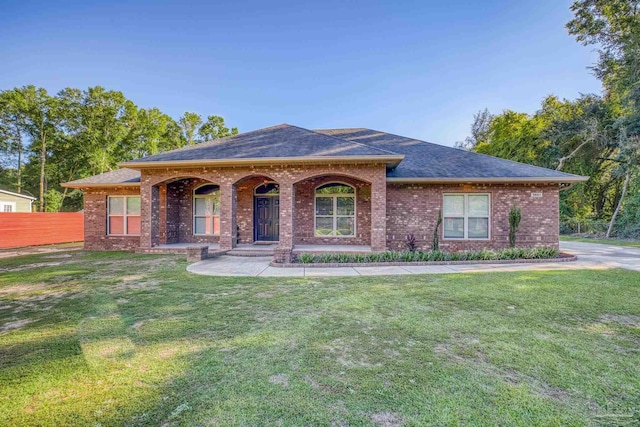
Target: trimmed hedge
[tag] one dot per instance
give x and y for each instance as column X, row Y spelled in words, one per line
column 421, row 256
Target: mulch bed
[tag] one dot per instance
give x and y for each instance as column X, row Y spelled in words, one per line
column 563, row 257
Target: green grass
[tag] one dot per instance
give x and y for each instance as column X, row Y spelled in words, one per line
column 121, row 339
column 615, row 242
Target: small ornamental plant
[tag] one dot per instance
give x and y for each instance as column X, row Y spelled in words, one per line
column 436, row 233
column 411, row 243
column 515, row 215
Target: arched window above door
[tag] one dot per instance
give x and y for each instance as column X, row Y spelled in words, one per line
column 267, row 189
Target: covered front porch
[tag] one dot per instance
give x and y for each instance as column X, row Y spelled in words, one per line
column 263, row 214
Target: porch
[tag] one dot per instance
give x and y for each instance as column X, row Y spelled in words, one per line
column 259, row 215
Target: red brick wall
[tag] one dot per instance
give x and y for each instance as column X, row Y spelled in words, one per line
column 180, row 212
column 391, row 211
column 95, row 221
column 305, row 196
column 413, row 208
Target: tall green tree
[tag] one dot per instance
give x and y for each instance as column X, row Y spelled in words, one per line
column 614, row 27
column 215, row 128
column 12, row 124
column 42, row 121
column 189, row 125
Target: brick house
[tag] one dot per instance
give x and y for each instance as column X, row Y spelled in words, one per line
column 297, row 188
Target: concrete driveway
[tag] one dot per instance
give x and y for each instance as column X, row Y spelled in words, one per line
column 606, row 256
column 590, row 256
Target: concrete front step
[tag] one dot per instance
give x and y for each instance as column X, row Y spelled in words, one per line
column 246, row 253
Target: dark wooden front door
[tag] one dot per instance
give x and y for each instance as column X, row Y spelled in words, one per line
column 267, row 218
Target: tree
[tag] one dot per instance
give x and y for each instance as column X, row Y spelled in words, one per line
column 41, row 123
column 189, row 125
column 12, row 122
column 153, row 132
column 46, row 140
column 613, row 25
column 480, row 130
column 215, row 128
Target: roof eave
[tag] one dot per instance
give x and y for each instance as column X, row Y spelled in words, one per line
column 390, row 161
column 11, row 193
column 502, row 180
column 99, row 185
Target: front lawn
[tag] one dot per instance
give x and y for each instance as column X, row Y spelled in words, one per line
column 122, row 339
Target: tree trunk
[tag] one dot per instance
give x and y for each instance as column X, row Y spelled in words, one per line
column 43, row 157
column 19, row 159
column 615, row 213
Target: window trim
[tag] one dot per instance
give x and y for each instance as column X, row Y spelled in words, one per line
column 466, row 217
column 193, row 210
column 255, row 189
column 124, row 216
column 335, row 215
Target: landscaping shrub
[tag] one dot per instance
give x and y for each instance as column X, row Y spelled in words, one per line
column 412, row 244
column 422, row 256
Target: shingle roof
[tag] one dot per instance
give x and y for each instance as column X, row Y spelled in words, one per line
column 272, row 142
column 118, row 177
column 421, row 161
column 427, row 160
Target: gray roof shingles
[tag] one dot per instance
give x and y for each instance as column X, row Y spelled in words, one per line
column 123, row 176
column 428, row 160
column 276, row 141
column 422, row 160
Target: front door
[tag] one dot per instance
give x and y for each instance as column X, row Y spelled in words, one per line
column 267, row 218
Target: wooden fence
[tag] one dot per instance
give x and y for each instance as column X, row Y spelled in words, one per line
column 40, row 228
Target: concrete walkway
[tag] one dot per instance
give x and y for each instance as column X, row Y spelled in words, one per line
column 590, row 256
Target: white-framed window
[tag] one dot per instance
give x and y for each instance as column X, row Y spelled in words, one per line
column 335, row 210
column 466, row 216
column 206, row 210
column 123, row 216
column 7, row 207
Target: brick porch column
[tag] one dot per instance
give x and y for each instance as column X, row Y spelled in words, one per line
column 287, row 215
column 146, row 213
column 228, row 229
column 379, row 212
column 162, row 214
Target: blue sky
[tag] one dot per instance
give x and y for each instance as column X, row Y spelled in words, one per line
column 415, row 68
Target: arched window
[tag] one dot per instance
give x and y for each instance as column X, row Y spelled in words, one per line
column 267, row 189
column 335, row 210
column 206, row 210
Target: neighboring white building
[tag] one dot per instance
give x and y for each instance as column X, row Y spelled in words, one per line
column 15, row 202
